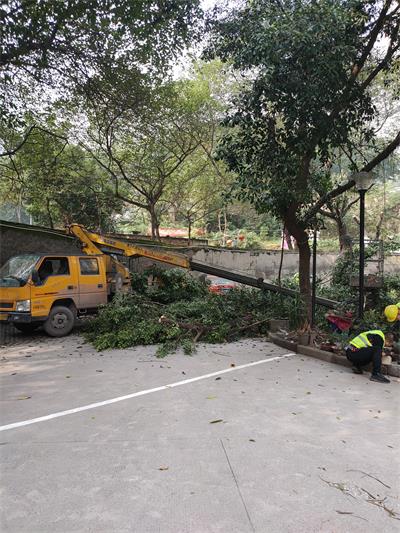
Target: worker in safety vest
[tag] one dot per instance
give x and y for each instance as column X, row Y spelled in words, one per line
column 367, row 348
column 392, row 314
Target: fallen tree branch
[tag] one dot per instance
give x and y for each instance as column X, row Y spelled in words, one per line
column 248, row 326
column 195, row 327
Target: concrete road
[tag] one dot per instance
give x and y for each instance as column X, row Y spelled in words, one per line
column 290, row 444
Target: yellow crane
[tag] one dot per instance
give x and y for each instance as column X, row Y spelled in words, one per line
column 53, row 289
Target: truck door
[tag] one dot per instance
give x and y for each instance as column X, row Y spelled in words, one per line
column 55, row 282
column 92, row 282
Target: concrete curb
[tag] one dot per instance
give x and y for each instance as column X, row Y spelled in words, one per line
column 283, row 343
column 329, row 357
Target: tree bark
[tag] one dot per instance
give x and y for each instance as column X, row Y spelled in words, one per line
column 189, row 230
column 51, row 223
column 379, row 226
column 344, row 238
column 301, row 236
column 155, row 224
column 288, row 239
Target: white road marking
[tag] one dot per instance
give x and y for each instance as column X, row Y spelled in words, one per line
column 136, row 394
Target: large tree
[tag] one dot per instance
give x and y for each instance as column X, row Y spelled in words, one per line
column 141, row 151
column 57, row 183
column 54, row 47
column 196, row 193
column 310, row 67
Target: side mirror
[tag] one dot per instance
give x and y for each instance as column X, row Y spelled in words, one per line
column 35, row 277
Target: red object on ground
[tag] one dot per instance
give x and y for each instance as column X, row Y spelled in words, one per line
column 341, row 322
column 220, row 285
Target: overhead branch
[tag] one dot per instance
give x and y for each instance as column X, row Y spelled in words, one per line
column 390, row 148
column 372, row 38
column 355, row 71
column 392, row 49
column 13, row 151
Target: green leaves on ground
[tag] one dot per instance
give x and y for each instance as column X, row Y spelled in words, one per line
column 180, row 311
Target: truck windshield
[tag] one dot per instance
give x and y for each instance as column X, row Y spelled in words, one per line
column 16, row 272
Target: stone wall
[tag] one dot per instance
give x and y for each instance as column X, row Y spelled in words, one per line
column 22, row 238
column 265, row 263
column 260, row 263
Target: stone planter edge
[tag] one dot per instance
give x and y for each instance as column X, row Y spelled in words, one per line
column 329, row 357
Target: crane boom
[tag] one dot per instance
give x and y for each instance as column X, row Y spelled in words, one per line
column 92, row 244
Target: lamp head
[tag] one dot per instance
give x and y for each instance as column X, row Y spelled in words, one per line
column 363, row 180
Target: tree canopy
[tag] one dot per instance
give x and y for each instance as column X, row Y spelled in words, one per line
column 309, row 68
column 53, row 47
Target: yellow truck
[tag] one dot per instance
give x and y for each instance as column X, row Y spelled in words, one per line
column 53, row 289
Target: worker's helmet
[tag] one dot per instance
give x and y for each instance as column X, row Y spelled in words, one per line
column 391, row 312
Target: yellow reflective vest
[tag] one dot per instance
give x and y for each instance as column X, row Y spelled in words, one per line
column 361, row 341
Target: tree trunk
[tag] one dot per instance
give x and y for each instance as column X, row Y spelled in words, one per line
column 281, row 260
column 379, row 226
column 303, row 245
column 51, row 223
column 344, row 237
column 225, row 224
column 189, row 230
column 155, row 225
column 19, row 208
column 288, row 239
column 304, row 273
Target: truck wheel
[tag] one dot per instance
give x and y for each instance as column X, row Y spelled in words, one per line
column 27, row 328
column 59, row 322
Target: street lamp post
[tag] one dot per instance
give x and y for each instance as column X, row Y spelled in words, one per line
column 363, row 181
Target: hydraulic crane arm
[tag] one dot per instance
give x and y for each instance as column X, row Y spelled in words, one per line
column 93, row 242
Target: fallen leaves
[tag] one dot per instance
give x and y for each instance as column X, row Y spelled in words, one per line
column 162, row 468
column 216, row 421
column 373, row 500
column 371, row 476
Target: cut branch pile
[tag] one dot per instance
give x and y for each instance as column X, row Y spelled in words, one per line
column 189, row 313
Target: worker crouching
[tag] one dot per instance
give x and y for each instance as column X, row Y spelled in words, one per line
column 392, row 314
column 367, row 348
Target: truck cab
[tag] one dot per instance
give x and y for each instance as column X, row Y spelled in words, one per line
column 53, row 289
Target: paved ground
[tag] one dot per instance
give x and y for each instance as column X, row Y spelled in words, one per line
column 298, row 445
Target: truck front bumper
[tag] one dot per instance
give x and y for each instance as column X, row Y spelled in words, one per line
column 13, row 317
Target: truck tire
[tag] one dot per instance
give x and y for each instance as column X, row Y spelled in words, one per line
column 27, row 328
column 59, row 322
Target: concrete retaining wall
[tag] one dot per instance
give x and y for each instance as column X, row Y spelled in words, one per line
column 265, row 263
column 23, row 238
